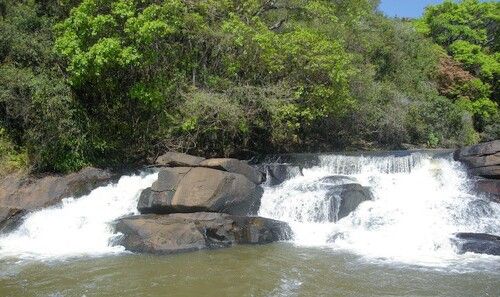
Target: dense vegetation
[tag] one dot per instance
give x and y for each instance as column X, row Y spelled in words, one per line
column 113, row 82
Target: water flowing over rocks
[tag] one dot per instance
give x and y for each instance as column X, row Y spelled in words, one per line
column 479, row 243
column 175, row 233
column 19, row 194
column 345, row 199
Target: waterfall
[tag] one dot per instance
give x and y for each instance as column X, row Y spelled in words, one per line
column 76, row 227
column 420, row 200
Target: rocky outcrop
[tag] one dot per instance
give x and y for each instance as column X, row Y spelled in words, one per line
column 19, row 194
column 479, row 243
column 200, row 189
column 199, row 204
column 176, row 233
column 489, row 187
column 482, row 159
column 174, row 159
column 235, row 166
column 345, row 199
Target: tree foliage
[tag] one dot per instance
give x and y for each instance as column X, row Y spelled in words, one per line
column 114, row 82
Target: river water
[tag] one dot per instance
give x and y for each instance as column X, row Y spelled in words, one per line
column 396, row 245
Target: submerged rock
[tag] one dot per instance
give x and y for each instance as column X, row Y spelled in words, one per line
column 278, row 173
column 19, row 194
column 182, row 232
column 479, row 243
column 345, row 199
column 200, row 189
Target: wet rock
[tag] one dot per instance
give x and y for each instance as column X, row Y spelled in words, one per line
column 482, row 159
column 278, row 173
column 480, row 208
column 174, row 159
column 489, row 187
column 345, row 199
column 479, row 243
column 176, row 233
column 235, row 166
column 10, row 218
column 24, row 193
column 201, row 189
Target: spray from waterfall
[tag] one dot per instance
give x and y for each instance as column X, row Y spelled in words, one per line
column 77, row 227
column 419, row 202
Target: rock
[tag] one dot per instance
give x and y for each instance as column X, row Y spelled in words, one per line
column 489, row 187
column 482, row 159
column 488, row 172
column 201, row 189
column 176, row 233
column 174, row 159
column 345, row 199
column 234, row 166
column 10, row 218
column 479, row 243
column 278, row 173
column 336, row 180
column 486, row 148
column 480, row 208
column 24, row 193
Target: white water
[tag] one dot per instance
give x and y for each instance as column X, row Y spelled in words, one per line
column 419, row 202
column 76, row 227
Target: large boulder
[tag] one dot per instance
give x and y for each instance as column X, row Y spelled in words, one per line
column 181, row 232
column 482, row 159
column 174, row 159
column 200, row 189
column 345, row 199
column 479, row 243
column 234, row 166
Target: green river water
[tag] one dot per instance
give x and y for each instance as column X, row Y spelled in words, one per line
column 273, row 270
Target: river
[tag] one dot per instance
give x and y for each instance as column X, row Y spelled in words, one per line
column 396, row 245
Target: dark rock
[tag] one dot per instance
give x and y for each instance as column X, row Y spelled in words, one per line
column 479, row 243
column 489, row 187
column 278, row 173
column 201, row 189
column 234, row 166
column 488, row 172
column 486, row 148
column 482, row 159
column 174, row 159
column 24, row 193
column 176, row 233
column 345, row 199
column 10, row 218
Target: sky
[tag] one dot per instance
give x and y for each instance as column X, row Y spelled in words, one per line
column 405, row 8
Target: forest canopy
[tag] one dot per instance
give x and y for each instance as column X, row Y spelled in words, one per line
column 115, row 82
